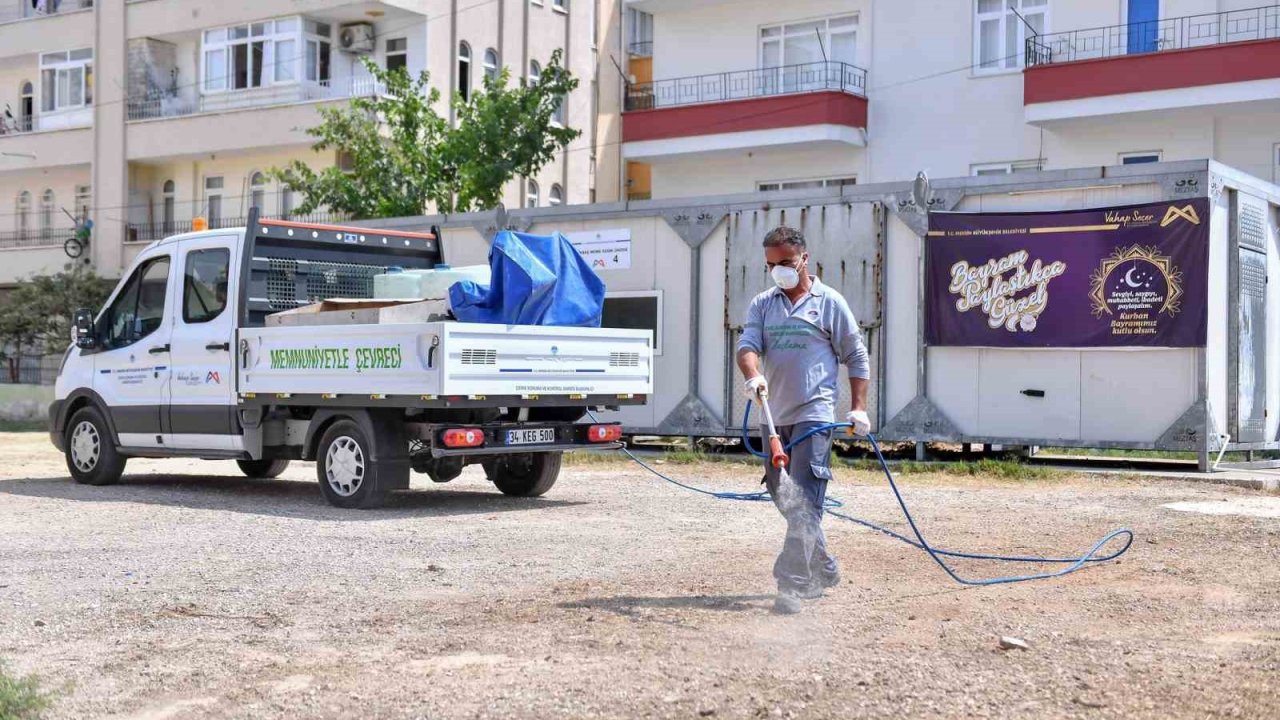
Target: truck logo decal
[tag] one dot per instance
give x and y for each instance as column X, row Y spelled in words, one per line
column 213, row 377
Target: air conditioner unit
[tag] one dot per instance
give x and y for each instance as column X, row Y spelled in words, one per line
column 356, row 38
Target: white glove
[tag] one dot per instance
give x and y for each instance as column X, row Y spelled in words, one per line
column 755, row 388
column 860, row 421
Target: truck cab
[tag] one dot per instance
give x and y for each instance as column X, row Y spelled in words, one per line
column 183, row 361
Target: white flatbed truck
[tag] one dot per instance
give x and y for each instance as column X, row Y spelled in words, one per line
column 181, row 363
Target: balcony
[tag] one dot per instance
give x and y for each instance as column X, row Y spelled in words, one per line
column 168, row 105
column 812, row 102
column 1182, row 62
column 233, row 122
column 23, row 31
column 15, row 10
column 37, row 237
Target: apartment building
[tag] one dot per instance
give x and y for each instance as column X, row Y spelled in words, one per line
column 741, row 95
column 145, row 114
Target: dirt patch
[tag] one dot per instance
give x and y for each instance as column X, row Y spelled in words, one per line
column 191, row 592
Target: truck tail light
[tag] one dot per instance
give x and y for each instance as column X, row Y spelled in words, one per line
column 463, row 437
column 604, row 433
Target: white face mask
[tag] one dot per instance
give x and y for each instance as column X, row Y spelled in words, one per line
column 785, row 277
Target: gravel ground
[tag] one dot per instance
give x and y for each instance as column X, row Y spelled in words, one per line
column 191, row 592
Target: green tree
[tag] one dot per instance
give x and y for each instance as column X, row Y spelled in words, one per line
column 403, row 155
column 36, row 315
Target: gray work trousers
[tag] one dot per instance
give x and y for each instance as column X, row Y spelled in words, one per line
column 804, row 560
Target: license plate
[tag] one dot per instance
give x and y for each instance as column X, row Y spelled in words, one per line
column 531, row 436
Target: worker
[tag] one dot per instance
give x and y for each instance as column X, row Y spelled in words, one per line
column 804, row 331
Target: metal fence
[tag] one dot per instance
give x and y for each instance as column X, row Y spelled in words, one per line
column 747, row 84
column 146, row 232
column 1178, row 33
column 30, row 370
column 42, row 237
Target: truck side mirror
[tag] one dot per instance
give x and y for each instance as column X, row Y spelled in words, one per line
column 84, row 334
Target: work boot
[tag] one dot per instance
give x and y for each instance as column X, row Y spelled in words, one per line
column 812, row 592
column 786, row 604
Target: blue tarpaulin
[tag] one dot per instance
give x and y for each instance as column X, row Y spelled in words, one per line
column 537, row 280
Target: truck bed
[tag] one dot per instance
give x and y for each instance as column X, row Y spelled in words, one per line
column 440, row 363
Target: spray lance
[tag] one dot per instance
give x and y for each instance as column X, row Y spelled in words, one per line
column 777, row 455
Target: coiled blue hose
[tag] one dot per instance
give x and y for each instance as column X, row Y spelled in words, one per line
column 833, row 505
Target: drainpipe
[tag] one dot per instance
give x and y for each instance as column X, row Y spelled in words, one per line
column 453, row 61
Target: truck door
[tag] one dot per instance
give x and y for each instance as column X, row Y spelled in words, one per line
column 202, row 412
column 132, row 364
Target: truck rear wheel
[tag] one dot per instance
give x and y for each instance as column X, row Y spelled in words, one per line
column 348, row 475
column 91, row 455
column 262, row 469
column 524, row 474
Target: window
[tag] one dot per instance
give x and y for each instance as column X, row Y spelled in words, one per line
column 24, row 211
column 167, row 208
column 556, row 198
column 66, row 80
column 26, row 105
column 535, row 71
column 491, row 64
column 806, row 184
column 536, row 2
column 204, row 290
column 1139, row 158
column 561, row 5
column 258, row 190
column 138, row 310
column 1004, row 168
column 1000, row 36
column 397, row 54
column 84, row 198
column 639, row 32
column 531, row 195
column 213, row 199
column 47, row 204
column 242, row 57
column 803, row 43
column 635, row 310
column 464, row 71
column 287, row 201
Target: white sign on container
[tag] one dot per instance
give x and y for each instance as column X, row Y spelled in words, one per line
column 604, row 249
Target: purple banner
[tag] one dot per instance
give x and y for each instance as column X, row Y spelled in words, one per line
column 1127, row 276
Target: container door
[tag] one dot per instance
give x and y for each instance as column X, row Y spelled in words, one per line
column 1249, row 409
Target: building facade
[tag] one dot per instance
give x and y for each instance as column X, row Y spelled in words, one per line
column 732, row 96
column 145, row 114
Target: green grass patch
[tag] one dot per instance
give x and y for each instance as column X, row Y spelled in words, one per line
column 21, row 698
column 23, row 426
column 987, row 468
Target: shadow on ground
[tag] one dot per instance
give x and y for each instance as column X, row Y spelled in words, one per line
column 277, row 498
column 634, row 606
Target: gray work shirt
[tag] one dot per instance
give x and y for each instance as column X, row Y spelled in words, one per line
column 803, row 347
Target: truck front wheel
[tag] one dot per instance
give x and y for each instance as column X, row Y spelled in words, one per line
column 524, row 474
column 91, row 455
column 348, row 475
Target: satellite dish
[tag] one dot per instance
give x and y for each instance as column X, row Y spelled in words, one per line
column 920, row 192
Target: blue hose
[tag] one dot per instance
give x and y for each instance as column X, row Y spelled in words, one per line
column 833, row 505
